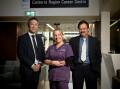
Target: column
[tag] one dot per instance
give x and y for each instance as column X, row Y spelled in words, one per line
column 105, row 47
column 105, row 31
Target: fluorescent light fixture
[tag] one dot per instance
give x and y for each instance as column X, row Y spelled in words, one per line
column 50, row 26
column 114, row 22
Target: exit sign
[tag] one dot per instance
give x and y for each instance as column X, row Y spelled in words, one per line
column 30, row 13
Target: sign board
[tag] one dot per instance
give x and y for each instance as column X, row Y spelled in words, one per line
column 58, row 3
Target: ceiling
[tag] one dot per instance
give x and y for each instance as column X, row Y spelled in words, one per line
column 113, row 6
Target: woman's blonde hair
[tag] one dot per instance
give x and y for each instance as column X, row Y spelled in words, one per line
column 59, row 31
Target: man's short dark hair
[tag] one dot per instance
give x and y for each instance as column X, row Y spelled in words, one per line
column 30, row 19
column 83, row 22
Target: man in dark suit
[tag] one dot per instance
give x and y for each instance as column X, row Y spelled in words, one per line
column 31, row 54
column 87, row 58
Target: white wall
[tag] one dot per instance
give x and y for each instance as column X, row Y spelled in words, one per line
column 17, row 8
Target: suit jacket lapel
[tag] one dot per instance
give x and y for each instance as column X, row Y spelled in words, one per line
column 29, row 42
column 90, row 45
column 77, row 44
column 38, row 41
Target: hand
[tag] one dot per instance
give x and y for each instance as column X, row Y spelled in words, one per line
column 62, row 62
column 55, row 63
column 58, row 63
column 35, row 67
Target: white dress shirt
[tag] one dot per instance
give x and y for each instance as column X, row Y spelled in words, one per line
column 30, row 35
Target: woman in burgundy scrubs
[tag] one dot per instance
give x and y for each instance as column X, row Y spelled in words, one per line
column 58, row 57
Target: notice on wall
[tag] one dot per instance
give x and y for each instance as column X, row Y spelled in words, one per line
column 25, row 3
column 58, row 3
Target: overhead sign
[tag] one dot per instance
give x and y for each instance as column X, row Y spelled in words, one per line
column 58, row 3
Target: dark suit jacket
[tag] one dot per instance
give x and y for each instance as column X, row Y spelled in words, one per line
column 25, row 51
column 94, row 52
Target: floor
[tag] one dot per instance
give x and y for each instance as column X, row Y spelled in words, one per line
column 44, row 84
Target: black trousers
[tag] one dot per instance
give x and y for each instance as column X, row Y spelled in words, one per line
column 29, row 79
column 83, row 72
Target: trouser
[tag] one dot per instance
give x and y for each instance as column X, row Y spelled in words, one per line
column 81, row 73
column 59, row 85
column 29, row 79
